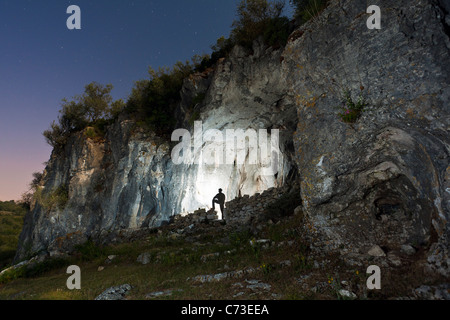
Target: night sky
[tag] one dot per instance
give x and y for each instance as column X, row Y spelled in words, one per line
column 42, row 62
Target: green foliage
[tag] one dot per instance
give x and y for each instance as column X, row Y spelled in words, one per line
column 255, row 248
column 221, row 49
column 152, row 102
column 277, row 32
column 308, row 9
column 56, row 136
column 27, row 197
column 194, row 117
column 34, row 269
column 95, row 102
column 350, row 110
column 199, row 98
column 11, row 223
column 37, row 178
column 195, row 114
column 240, row 239
column 57, row 198
column 256, row 18
column 114, row 111
column 95, row 107
column 201, row 62
column 12, row 206
column 266, row 268
column 38, row 269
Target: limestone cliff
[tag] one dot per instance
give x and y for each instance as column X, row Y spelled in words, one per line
column 130, row 180
column 382, row 180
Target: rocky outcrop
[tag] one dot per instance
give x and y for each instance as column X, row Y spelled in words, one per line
column 383, row 180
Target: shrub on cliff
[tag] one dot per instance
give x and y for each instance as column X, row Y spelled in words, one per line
column 277, row 32
column 152, row 102
column 95, row 107
column 56, row 136
column 308, row 9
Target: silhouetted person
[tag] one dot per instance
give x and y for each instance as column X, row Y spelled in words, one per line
column 219, row 199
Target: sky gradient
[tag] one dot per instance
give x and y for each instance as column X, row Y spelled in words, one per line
column 42, row 62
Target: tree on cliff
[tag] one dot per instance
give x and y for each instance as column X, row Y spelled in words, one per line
column 93, row 107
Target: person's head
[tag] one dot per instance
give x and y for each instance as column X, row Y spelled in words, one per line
column 220, row 190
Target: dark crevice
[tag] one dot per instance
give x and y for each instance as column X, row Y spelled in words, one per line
column 445, row 12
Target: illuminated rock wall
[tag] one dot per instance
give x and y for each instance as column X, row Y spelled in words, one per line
column 130, row 181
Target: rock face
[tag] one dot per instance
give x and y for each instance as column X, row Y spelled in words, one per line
column 382, row 181
column 130, row 179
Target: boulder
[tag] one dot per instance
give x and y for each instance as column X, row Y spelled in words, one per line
column 115, row 293
column 382, row 178
column 376, row 251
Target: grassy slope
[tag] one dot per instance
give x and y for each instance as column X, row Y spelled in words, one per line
column 175, row 259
